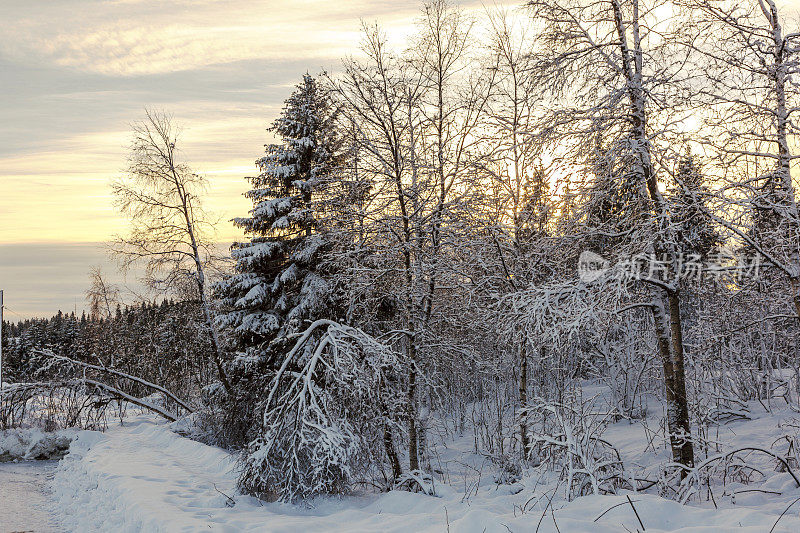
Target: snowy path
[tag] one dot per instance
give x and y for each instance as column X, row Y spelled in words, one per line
column 25, row 501
column 144, row 477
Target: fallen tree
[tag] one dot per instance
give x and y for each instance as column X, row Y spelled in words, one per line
column 118, row 373
column 73, row 393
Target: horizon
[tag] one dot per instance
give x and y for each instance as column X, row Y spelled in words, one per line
column 75, row 79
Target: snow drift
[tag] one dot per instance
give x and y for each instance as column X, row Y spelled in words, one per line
column 144, row 477
column 33, row 443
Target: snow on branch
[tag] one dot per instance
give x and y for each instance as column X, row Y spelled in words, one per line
column 173, row 397
column 700, row 473
column 112, row 390
column 115, row 392
column 568, row 438
column 321, row 414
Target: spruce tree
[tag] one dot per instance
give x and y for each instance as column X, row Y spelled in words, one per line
column 279, row 283
column 697, row 240
column 695, row 231
column 614, row 208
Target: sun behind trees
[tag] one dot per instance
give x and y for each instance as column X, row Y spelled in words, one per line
column 458, row 217
column 414, row 194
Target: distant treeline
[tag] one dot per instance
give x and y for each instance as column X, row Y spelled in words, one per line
column 160, row 342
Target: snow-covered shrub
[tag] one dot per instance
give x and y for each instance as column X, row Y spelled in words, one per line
column 622, row 356
column 790, row 439
column 568, row 439
column 17, row 444
column 52, row 405
column 417, row 481
column 322, row 415
column 16, row 403
column 738, row 465
column 302, row 457
column 508, row 470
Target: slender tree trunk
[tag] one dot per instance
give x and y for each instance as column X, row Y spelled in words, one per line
column 684, row 444
column 666, row 307
column 200, row 277
column 662, row 334
column 413, row 452
column 388, row 442
column 787, row 199
column 223, row 377
column 523, row 400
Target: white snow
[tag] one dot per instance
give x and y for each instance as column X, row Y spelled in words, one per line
column 25, row 502
column 33, row 443
column 144, row 477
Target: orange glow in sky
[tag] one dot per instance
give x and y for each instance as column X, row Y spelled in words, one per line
column 76, row 73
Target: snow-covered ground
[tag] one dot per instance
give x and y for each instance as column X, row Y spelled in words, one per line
column 34, row 444
column 144, row 477
column 25, row 501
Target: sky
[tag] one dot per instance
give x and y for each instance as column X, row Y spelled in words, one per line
column 74, row 74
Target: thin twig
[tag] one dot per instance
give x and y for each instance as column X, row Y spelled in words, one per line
column 781, row 516
column 635, row 512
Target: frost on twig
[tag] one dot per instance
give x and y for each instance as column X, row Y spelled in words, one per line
column 728, row 466
column 568, row 439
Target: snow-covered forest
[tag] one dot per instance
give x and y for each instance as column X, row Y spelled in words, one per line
column 533, row 270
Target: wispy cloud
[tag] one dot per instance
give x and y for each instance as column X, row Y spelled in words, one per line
column 152, row 37
column 39, row 279
column 62, row 193
column 77, row 72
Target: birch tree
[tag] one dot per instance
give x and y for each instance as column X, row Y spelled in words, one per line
column 750, row 97
column 518, row 181
column 101, row 295
column 169, row 231
column 415, row 114
column 614, row 69
column 380, row 96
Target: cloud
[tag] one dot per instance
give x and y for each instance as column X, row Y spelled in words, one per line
column 62, row 194
column 77, row 72
column 142, row 37
column 151, row 37
column 39, row 279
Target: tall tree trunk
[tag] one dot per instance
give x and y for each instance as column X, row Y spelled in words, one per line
column 200, row 275
column 662, row 334
column 680, row 443
column 388, row 442
column 668, row 326
column 786, row 199
column 413, row 452
column 523, row 401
